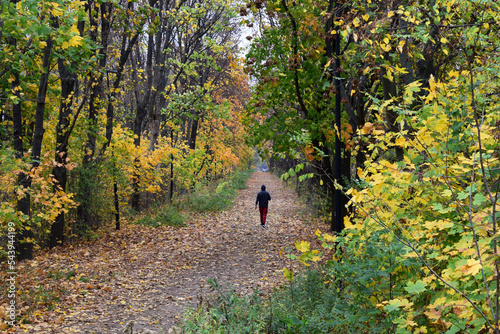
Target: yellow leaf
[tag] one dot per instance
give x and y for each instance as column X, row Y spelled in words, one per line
column 472, row 267
column 433, row 314
column 329, row 238
column 55, row 10
column 302, row 246
column 440, row 301
column 441, row 126
column 316, row 258
column 74, row 41
column 432, row 84
column 360, row 173
column 288, row 274
column 442, row 224
column 400, row 141
column 410, row 323
column 347, row 224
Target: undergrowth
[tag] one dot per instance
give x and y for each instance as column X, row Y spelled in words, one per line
column 312, row 303
column 218, row 196
column 166, row 216
column 214, row 197
column 333, row 297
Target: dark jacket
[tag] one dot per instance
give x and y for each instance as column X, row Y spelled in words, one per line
column 263, row 199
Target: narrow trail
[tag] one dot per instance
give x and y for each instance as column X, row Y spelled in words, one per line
column 150, row 275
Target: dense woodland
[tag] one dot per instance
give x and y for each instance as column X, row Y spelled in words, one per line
column 412, row 157
column 386, row 113
column 109, row 106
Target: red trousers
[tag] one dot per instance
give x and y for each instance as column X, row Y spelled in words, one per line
column 263, row 215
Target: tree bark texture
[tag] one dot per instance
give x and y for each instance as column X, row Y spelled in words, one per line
column 68, row 87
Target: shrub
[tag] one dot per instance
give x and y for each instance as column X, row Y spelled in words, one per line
column 167, row 216
column 219, row 196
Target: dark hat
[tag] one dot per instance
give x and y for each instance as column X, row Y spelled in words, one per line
column 263, row 188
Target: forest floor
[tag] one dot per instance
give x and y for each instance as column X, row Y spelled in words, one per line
column 150, row 275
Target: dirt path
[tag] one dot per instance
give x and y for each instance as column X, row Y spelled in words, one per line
column 150, row 275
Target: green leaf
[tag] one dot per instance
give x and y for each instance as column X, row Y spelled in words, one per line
column 393, row 305
column 439, row 208
column 453, row 329
column 288, row 274
column 479, row 199
column 299, row 167
column 463, row 195
column 415, row 288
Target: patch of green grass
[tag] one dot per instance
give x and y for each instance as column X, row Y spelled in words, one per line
column 166, row 216
column 47, row 297
column 239, row 179
column 60, row 274
column 55, row 275
column 219, row 196
column 84, row 279
column 210, row 199
column 70, row 274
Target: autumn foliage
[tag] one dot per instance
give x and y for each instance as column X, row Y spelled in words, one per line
column 419, row 96
column 88, row 130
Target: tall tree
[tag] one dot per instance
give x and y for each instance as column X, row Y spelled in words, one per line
column 35, row 22
column 68, row 63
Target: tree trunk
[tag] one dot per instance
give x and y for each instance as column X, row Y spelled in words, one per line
column 139, row 119
column 141, row 113
column 193, row 133
column 36, row 148
column 338, row 197
column 88, row 171
column 68, row 84
column 24, row 247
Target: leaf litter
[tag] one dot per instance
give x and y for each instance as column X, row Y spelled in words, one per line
column 151, row 274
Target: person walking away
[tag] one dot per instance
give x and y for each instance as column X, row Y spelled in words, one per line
column 263, row 198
